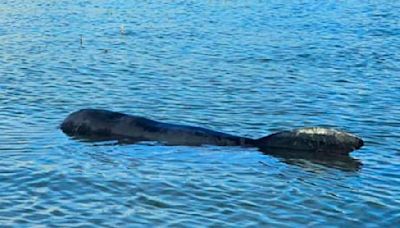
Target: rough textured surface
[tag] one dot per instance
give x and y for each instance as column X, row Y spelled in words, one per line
column 312, row 139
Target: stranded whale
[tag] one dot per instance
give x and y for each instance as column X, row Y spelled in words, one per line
column 96, row 124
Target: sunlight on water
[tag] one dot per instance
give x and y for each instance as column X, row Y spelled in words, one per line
column 247, row 68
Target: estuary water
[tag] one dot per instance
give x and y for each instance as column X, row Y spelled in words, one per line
column 247, row 68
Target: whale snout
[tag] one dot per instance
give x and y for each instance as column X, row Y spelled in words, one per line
column 346, row 141
column 360, row 143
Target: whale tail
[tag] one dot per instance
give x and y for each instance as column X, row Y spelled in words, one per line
column 314, row 139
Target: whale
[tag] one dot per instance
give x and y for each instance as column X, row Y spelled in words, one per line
column 105, row 125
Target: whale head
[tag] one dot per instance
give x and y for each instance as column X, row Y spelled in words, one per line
column 91, row 124
column 316, row 139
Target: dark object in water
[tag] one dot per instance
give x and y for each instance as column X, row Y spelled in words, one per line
column 315, row 139
column 102, row 125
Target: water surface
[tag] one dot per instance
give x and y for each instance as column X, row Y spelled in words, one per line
column 247, row 68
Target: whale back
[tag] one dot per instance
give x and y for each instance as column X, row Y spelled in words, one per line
column 98, row 125
column 314, row 139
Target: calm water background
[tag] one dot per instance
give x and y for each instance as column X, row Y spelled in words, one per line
column 244, row 67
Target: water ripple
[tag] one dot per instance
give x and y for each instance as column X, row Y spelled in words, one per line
column 248, row 68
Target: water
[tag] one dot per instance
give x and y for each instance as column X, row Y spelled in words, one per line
column 243, row 67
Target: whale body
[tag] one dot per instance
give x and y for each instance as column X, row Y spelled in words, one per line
column 102, row 125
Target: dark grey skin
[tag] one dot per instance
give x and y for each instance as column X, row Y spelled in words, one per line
column 95, row 124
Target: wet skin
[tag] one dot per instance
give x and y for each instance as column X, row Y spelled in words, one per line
column 96, row 124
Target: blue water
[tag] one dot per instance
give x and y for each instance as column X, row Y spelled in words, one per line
column 248, row 68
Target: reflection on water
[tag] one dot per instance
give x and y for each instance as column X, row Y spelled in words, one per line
column 247, row 68
column 302, row 159
column 294, row 157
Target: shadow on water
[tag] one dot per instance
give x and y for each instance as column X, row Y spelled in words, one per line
column 304, row 159
column 308, row 159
